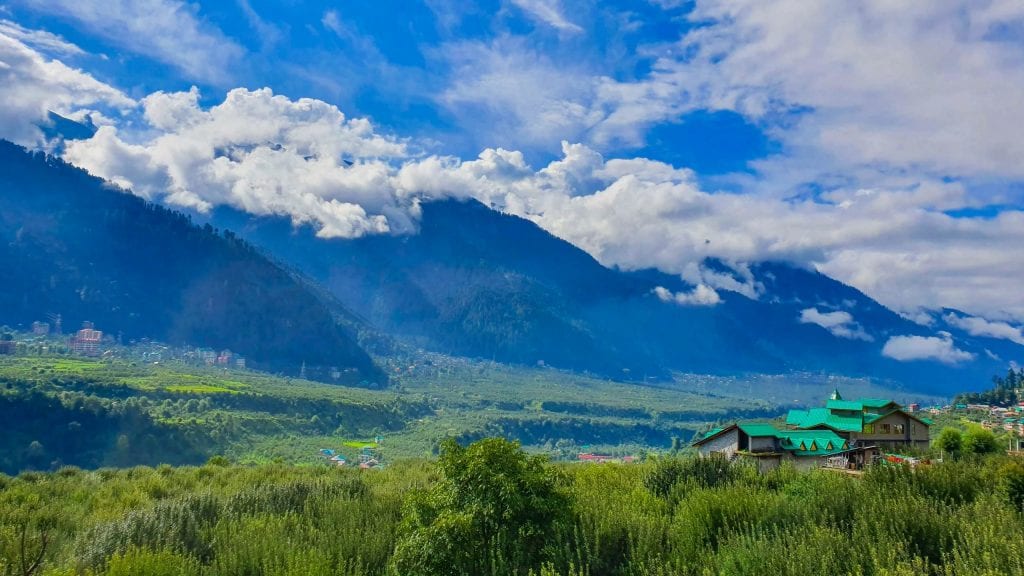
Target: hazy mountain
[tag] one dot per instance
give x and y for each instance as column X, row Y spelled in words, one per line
column 72, row 245
column 480, row 283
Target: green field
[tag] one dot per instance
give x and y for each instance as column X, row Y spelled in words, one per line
column 135, row 413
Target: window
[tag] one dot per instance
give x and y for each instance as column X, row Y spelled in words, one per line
column 886, row 429
column 897, row 428
column 869, row 428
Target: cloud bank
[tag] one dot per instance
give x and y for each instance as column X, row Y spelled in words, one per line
column 982, row 327
column 940, row 348
column 261, row 153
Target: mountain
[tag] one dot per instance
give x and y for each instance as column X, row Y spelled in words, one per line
column 480, row 283
column 72, row 245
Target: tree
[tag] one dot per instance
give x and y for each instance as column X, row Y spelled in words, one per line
column 980, row 440
column 950, row 441
column 495, row 510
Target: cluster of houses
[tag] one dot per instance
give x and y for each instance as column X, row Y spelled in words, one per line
column 369, row 457
column 843, row 434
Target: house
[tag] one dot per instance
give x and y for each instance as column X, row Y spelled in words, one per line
column 844, row 433
column 770, row 444
column 865, row 422
column 86, row 341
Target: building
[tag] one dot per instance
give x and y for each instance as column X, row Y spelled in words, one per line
column 86, row 341
column 41, row 328
column 769, row 445
column 866, row 421
column 844, row 434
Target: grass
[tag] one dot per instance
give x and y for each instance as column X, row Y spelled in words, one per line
column 255, row 417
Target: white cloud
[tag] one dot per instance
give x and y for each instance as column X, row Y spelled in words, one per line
column 261, row 153
column 169, row 31
column 981, row 327
column 940, row 348
column 934, row 87
column 31, row 85
column 549, row 12
column 840, row 323
column 638, row 213
column 39, row 39
column 510, row 93
column 701, row 295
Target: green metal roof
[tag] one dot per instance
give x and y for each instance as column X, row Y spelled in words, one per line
column 712, row 432
column 795, row 417
column 817, row 417
column 844, row 405
column 758, row 429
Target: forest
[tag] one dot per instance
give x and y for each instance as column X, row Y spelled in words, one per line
column 490, row 508
column 1005, row 391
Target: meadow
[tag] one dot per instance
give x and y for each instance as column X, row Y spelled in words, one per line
column 490, row 508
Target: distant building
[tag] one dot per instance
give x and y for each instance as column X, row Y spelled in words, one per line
column 845, row 433
column 41, row 328
column 8, row 347
column 86, row 341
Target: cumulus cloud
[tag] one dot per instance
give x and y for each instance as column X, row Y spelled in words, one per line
column 981, row 327
column 932, row 87
column 701, row 295
column 549, row 12
column 32, row 84
column 840, row 323
column 940, row 348
column 260, row 153
column 169, row 31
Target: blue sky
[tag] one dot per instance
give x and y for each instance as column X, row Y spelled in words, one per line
column 877, row 142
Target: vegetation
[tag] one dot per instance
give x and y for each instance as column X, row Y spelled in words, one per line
column 61, row 410
column 1006, row 391
column 490, row 509
column 70, row 244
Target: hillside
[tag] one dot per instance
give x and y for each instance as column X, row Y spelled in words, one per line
column 72, row 245
column 480, row 283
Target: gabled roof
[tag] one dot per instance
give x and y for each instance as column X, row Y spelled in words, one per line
column 876, row 403
column 870, row 418
column 823, row 417
column 759, row 429
column 795, row 417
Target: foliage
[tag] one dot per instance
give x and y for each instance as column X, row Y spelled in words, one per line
column 490, row 509
column 949, row 441
column 980, row 440
column 493, row 511
column 1004, row 391
column 74, row 246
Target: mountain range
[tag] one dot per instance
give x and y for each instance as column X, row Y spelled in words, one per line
column 480, row 283
column 471, row 282
column 73, row 245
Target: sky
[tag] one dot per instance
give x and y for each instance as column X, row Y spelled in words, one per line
column 877, row 141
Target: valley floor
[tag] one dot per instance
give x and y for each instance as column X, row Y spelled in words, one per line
column 61, row 410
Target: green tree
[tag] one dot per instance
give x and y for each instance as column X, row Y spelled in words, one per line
column 950, row 441
column 980, row 440
column 495, row 510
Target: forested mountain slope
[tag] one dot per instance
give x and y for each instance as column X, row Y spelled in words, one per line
column 72, row 245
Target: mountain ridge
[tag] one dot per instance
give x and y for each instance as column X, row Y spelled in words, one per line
column 72, row 244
